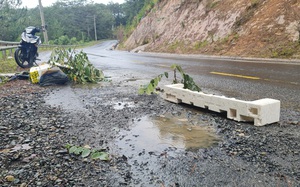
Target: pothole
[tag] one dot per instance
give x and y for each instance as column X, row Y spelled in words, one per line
column 155, row 134
column 152, row 141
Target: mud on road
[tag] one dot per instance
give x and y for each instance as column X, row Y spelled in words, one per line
column 36, row 124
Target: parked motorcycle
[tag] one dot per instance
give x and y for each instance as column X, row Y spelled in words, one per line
column 26, row 54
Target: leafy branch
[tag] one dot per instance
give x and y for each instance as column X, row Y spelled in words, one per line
column 76, row 65
column 187, row 81
column 87, row 151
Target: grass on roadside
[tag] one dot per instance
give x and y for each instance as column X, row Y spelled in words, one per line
column 8, row 66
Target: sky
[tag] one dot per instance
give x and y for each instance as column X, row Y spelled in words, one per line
column 34, row 3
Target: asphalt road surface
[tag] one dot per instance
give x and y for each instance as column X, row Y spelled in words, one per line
column 245, row 156
column 242, row 78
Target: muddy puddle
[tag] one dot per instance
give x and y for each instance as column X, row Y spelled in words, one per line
column 159, row 133
column 153, row 140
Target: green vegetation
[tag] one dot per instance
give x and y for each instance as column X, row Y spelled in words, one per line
column 224, row 40
column 211, row 4
column 148, row 5
column 140, row 10
column 3, row 80
column 77, row 65
column 8, row 66
column 11, row 19
column 200, row 44
column 231, row 37
column 285, row 51
column 86, row 151
column 65, row 40
column 71, row 21
column 187, row 81
column 176, row 45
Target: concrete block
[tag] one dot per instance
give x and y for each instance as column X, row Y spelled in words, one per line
column 261, row 112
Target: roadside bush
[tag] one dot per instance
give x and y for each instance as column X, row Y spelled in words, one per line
column 73, row 41
column 65, row 40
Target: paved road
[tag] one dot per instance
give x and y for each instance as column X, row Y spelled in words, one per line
column 247, row 156
column 246, row 79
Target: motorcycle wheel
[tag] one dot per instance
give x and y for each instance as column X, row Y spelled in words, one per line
column 23, row 62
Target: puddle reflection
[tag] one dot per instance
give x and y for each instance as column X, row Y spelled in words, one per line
column 159, row 133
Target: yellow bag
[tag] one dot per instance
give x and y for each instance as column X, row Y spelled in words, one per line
column 35, row 73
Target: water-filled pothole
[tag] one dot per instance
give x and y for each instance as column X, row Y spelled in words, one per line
column 159, row 133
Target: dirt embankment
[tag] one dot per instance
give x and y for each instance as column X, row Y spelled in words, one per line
column 252, row 28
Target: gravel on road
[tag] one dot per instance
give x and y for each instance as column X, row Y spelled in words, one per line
column 36, row 125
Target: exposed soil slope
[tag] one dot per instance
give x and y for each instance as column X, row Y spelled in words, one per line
column 253, row 28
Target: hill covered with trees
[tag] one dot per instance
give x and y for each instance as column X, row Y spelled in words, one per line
column 254, row 28
column 68, row 20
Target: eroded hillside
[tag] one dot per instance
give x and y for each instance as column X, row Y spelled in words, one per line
column 253, row 28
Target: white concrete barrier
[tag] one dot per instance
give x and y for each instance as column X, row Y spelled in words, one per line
column 261, row 112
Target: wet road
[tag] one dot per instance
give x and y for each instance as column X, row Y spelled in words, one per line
column 246, row 79
column 135, row 129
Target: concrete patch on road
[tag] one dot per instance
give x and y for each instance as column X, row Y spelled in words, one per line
column 261, row 112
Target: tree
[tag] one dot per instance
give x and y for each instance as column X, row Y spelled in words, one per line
column 70, row 3
column 118, row 13
column 9, row 16
column 131, row 8
column 72, row 18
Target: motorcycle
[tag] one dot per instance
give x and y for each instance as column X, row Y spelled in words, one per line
column 26, row 54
